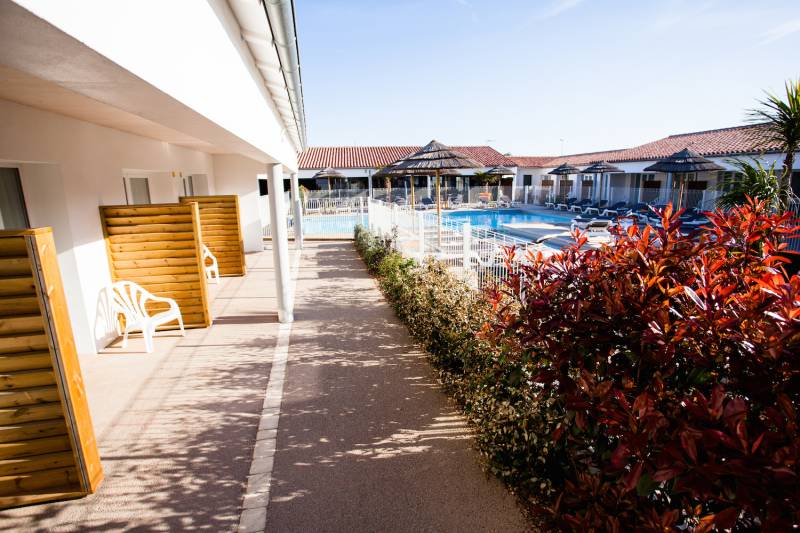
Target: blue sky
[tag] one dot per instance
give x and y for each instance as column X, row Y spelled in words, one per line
column 523, row 75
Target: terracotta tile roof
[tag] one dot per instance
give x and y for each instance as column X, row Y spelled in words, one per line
column 738, row 140
column 711, row 143
column 316, row 157
column 532, row 161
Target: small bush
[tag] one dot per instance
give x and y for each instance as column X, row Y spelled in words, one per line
column 448, row 319
column 666, row 370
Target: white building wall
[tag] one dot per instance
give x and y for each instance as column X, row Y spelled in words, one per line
column 239, row 175
column 68, row 169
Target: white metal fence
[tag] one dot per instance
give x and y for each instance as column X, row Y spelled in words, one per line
column 477, row 254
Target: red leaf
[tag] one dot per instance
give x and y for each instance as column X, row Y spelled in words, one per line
column 632, row 478
column 726, row 518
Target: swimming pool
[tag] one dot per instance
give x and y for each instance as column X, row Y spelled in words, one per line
column 495, row 218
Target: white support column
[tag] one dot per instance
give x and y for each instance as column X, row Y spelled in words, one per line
column 297, row 212
column 280, row 244
column 369, row 183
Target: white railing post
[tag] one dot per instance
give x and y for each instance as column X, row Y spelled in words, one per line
column 421, row 231
column 466, row 244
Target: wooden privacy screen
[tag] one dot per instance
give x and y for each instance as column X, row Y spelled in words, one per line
column 47, row 444
column 222, row 232
column 158, row 247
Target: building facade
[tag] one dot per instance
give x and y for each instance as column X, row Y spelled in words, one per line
column 109, row 103
column 635, row 184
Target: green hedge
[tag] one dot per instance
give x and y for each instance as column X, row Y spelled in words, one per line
column 447, row 317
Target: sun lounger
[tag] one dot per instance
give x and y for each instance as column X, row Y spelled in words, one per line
column 595, row 208
column 565, row 205
column 618, row 208
column 578, row 206
column 583, row 222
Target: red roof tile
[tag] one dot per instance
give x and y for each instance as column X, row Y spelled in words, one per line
column 531, row 161
column 738, row 140
column 316, row 157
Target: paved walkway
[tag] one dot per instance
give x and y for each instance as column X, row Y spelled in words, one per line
column 176, row 428
column 365, row 440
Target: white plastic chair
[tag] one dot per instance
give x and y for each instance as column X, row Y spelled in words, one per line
column 212, row 270
column 129, row 300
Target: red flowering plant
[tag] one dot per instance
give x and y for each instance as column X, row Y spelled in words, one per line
column 674, row 361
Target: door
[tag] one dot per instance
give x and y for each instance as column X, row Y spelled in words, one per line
column 13, row 214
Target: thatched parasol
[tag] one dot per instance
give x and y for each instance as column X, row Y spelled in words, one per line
column 435, row 157
column 681, row 163
column 601, row 167
column 328, row 173
column 393, row 169
column 500, row 171
column 564, row 169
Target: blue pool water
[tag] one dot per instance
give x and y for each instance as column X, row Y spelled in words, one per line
column 494, row 219
column 332, row 224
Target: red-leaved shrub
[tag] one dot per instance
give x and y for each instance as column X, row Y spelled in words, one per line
column 674, row 361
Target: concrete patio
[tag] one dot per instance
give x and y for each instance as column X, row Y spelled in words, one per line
column 365, row 440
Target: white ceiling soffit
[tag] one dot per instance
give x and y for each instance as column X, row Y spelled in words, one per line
column 255, row 30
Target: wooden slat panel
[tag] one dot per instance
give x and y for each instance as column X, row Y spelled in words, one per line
column 26, row 378
column 36, row 463
column 152, row 219
column 19, row 305
column 13, row 246
column 31, row 413
column 15, row 266
column 140, row 229
column 27, row 448
column 158, row 247
column 21, row 324
column 145, row 255
column 19, row 397
column 36, row 481
column 73, row 405
column 23, row 343
column 25, row 361
column 10, row 286
column 150, row 237
column 221, row 229
column 164, row 262
column 32, row 430
column 152, row 246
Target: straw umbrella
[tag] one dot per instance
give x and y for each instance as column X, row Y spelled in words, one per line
column 601, row 167
column 328, row 173
column 436, row 157
column 565, row 169
column 683, row 162
column 393, row 169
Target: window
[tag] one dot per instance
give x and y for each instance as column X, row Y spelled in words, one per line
column 726, row 179
column 13, row 214
column 188, row 186
column 527, row 180
column 137, row 191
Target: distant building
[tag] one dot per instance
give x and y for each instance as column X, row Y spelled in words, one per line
column 635, row 184
column 359, row 163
